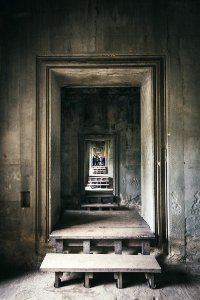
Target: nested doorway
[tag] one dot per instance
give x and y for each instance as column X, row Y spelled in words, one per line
column 144, row 72
column 100, row 165
column 100, row 131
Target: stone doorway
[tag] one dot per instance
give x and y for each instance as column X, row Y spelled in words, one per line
column 100, row 164
column 53, row 73
column 103, row 122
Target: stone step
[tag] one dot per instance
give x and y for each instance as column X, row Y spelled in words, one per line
column 99, row 189
column 97, row 179
column 98, row 183
column 98, row 175
column 89, row 263
column 95, row 186
column 97, row 197
column 99, row 167
column 99, row 172
column 100, row 206
column 101, row 194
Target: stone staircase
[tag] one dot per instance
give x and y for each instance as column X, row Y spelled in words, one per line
column 99, row 190
column 98, row 178
column 99, row 170
column 99, row 182
column 89, row 230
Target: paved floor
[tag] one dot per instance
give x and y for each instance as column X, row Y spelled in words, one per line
column 39, row 286
column 105, row 225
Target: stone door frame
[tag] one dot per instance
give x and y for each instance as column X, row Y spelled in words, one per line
column 98, row 136
column 48, row 70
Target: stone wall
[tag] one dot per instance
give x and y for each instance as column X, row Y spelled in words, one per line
column 31, row 28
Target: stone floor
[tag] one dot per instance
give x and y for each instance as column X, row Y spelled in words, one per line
column 172, row 285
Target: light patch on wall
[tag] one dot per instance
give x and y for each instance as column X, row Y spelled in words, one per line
column 195, row 210
column 176, row 207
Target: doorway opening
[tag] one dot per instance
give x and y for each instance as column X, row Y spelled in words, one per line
column 101, row 146
column 57, row 73
column 98, row 166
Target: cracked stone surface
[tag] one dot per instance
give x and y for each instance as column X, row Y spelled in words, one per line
column 40, row 286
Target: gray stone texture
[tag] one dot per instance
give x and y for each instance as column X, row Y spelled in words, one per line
column 173, row 285
column 31, row 28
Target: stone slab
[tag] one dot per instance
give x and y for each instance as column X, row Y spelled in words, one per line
column 99, row 263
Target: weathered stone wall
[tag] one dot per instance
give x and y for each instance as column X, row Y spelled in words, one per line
column 148, row 27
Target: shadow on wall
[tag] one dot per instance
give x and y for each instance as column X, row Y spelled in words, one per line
column 132, row 202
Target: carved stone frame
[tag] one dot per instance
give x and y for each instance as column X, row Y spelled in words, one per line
column 97, row 136
column 46, row 65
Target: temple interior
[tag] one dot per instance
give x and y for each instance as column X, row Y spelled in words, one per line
column 99, row 149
